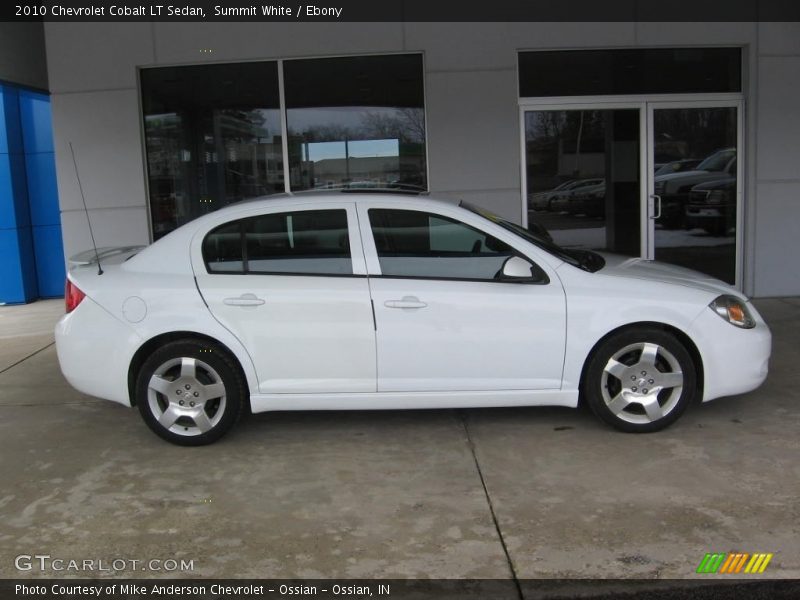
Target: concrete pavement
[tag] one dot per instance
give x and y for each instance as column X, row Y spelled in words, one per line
column 448, row 494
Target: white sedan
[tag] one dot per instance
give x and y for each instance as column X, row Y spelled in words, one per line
column 331, row 301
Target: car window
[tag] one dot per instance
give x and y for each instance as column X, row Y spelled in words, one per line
column 419, row 244
column 717, row 161
column 313, row 242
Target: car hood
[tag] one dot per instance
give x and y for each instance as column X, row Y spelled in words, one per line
column 681, row 175
column 684, row 177
column 717, row 184
column 650, row 270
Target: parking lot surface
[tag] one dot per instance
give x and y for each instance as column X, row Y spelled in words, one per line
column 500, row 493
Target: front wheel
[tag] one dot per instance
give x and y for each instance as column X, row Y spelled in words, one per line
column 640, row 380
column 190, row 392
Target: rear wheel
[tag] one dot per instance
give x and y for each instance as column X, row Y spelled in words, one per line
column 640, row 380
column 190, row 392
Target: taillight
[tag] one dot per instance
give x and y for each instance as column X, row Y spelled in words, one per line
column 72, row 296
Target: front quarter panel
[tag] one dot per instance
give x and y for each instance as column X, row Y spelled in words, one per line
column 598, row 305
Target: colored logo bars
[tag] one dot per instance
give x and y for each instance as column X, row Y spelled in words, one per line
column 734, row 562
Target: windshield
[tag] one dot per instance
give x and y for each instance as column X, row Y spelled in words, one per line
column 583, row 259
column 717, row 161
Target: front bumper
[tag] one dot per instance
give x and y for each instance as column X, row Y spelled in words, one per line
column 735, row 360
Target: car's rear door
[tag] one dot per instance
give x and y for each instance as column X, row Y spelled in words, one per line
column 291, row 285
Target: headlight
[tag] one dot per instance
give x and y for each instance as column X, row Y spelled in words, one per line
column 734, row 311
column 718, row 197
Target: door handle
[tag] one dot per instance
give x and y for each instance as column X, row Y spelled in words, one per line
column 244, row 300
column 656, row 198
column 405, row 302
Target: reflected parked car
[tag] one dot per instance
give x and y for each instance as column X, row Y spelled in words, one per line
column 589, row 201
column 542, row 200
column 677, row 166
column 560, row 202
column 712, row 206
column 674, row 188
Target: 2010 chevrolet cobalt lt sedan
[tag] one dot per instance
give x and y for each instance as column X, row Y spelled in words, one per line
column 379, row 301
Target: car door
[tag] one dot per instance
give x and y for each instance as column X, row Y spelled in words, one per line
column 291, row 286
column 444, row 321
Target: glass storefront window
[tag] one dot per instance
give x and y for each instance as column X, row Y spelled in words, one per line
column 356, row 122
column 213, row 133
column 213, row 137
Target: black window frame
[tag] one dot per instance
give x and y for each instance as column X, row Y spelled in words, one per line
column 242, row 221
column 628, row 71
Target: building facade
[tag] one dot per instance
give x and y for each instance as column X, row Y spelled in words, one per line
column 673, row 141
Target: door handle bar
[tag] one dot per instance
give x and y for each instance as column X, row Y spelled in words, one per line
column 244, row 300
column 406, row 302
column 656, row 198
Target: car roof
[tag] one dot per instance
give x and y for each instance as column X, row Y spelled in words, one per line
column 331, row 197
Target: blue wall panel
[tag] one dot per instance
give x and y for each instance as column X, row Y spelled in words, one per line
column 31, row 250
column 3, row 128
column 42, row 189
column 37, row 124
column 14, row 191
column 49, row 249
column 13, row 124
column 8, row 208
column 17, row 268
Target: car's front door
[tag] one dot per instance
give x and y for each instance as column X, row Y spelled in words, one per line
column 291, row 286
column 445, row 321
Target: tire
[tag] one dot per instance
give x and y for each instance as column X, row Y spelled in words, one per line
column 625, row 369
column 190, row 392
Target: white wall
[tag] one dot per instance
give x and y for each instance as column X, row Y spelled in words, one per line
column 471, row 106
column 776, row 221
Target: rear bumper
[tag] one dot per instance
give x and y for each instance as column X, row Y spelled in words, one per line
column 94, row 351
column 735, row 360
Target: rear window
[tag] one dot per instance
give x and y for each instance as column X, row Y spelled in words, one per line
column 311, row 242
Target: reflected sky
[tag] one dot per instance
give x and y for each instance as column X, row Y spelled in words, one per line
column 316, row 151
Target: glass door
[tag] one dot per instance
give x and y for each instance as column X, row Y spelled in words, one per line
column 583, row 177
column 656, row 179
column 693, row 205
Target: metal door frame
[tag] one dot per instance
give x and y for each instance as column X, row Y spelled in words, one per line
column 646, row 104
column 738, row 104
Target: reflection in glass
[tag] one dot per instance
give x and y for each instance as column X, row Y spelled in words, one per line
column 697, row 226
column 212, row 135
column 583, row 177
column 356, row 122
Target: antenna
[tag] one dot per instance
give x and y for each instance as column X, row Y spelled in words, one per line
column 88, row 220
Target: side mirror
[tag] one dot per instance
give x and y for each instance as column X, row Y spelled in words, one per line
column 516, row 267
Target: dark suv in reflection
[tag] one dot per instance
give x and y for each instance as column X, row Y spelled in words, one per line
column 674, row 188
column 712, row 206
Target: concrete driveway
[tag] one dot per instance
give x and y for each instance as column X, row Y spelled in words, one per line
column 524, row 493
